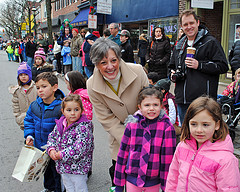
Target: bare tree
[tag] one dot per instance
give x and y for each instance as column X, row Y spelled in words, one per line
column 49, row 20
column 9, row 18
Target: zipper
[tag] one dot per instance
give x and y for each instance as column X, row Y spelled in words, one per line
column 208, row 87
column 193, row 159
column 184, row 92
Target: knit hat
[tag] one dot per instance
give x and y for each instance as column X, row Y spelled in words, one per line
column 25, row 68
column 75, row 29
column 163, row 84
column 125, row 33
column 96, row 33
column 50, row 46
column 40, row 53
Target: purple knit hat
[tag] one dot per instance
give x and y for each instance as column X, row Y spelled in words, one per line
column 25, row 68
column 40, row 53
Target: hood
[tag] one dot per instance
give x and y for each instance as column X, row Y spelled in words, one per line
column 59, row 94
column 59, row 122
column 137, row 116
column 91, row 37
column 143, row 41
column 82, row 92
column 219, row 145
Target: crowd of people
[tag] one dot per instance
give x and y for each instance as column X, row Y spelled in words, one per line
column 134, row 105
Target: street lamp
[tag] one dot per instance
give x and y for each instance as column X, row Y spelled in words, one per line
column 34, row 19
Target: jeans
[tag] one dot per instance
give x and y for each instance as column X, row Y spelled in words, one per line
column 59, row 67
column 30, row 61
column 67, row 68
column 75, row 183
column 77, row 64
column 89, row 70
column 143, row 61
column 52, row 180
column 182, row 109
column 10, row 56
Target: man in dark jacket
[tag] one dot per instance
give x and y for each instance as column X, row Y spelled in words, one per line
column 65, row 36
column 126, row 47
column 234, row 57
column 199, row 75
column 31, row 47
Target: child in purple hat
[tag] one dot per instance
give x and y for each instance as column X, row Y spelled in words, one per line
column 23, row 94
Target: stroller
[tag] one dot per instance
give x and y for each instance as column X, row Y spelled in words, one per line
column 231, row 111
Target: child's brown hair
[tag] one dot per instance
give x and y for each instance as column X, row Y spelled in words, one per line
column 198, row 105
column 48, row 76
column 72, row 97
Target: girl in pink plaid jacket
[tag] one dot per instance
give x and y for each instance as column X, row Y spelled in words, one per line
column 147, row 146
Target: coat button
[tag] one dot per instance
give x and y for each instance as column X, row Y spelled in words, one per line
column 121, row 104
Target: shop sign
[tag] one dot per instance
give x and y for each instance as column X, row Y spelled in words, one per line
column 237, row 32
column 104, row 6
column 204, row 4
column 92, row 21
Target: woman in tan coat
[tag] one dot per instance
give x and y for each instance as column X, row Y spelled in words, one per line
column 113, row 90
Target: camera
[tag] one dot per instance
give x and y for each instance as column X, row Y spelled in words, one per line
column 179, row 74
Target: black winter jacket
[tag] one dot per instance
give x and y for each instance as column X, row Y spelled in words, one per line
column 30, row 49
column 234, row 56
column 142, row 46
column 127, row 52
column 204, row 80
column 158, row 54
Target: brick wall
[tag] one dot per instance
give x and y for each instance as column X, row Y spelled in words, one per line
column 182, row 5
column 65, row 10
column 212, row 18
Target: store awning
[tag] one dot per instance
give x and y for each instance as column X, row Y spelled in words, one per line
column 81, row 19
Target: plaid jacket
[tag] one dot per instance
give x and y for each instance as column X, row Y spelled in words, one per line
column 139, row 132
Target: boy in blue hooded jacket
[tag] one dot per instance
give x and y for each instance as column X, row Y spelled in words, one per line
column 40, row 121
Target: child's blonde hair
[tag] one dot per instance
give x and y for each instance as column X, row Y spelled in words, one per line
column 198, row 105
column 236, row 73
column 143, row 37
column 72, row 97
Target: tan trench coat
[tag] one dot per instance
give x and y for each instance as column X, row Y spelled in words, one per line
column 21, row 102
column 111, row 110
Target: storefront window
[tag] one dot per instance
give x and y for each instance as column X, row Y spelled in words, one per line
column 170, row 25
column 234, row 30
column 235, row 4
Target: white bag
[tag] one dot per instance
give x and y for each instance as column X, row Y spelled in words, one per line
column 31, row 164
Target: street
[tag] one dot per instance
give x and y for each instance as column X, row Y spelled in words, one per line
column 12, row 140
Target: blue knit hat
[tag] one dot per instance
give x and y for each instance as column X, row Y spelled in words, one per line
column 25, row 68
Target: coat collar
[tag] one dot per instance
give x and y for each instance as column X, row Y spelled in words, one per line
column 99, row 85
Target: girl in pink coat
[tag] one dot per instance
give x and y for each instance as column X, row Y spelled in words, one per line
column 76, row 84
column 204, row 160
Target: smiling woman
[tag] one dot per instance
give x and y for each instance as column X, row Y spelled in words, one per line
column 113, row 89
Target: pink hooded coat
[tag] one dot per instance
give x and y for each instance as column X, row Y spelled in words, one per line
column 87, row 105
column 212, row 167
